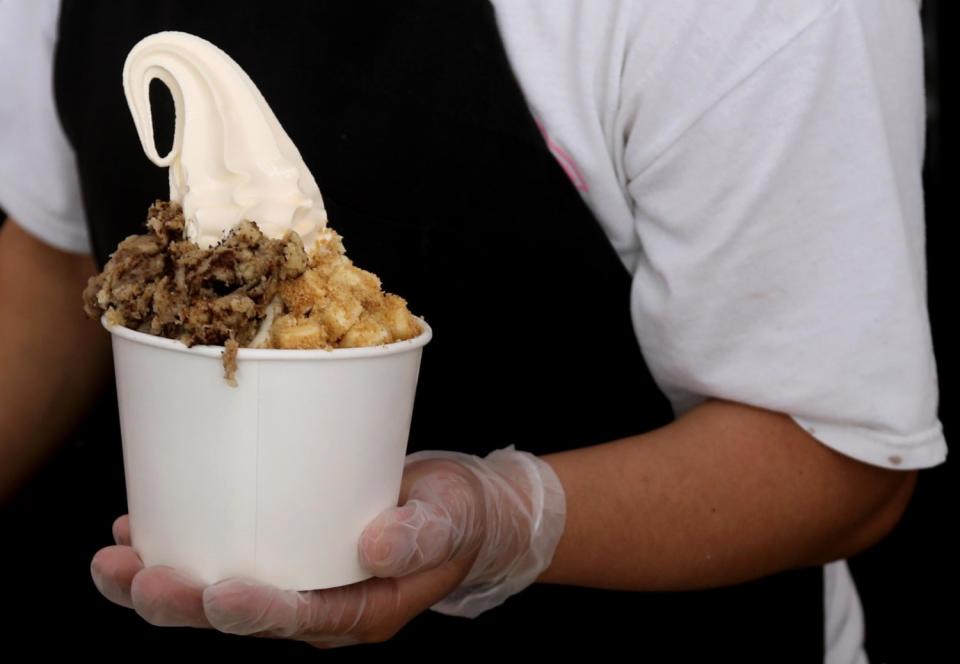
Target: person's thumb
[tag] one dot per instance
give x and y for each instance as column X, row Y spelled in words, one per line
column 440, row 521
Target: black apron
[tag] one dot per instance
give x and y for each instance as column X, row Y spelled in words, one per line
column 433, row 170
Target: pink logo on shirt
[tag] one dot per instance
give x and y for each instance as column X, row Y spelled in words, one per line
column 566, row 162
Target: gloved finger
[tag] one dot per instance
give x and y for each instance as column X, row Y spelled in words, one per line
column 168, row 598
column 407, row 539
column 113, row 569
column 441, row 520
column 121, row 530
column 369, row 611
column 246, row 607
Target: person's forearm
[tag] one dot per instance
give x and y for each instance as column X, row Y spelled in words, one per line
column 52, row 358
column 725, row 494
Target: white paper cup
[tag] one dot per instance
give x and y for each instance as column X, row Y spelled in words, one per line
column 274, row 479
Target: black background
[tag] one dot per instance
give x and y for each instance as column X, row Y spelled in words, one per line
column 50, row 531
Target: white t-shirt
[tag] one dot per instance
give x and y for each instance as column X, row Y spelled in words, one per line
column 757, row 166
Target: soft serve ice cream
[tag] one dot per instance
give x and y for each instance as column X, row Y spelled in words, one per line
column 231, row 160
column 241, row 254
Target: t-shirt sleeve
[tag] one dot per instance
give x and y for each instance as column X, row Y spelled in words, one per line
column 784, row 241
column 39, row 185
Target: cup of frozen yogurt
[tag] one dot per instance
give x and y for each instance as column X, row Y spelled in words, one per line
column 266, row 384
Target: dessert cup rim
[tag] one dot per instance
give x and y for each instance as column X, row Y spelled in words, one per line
column 146, row 339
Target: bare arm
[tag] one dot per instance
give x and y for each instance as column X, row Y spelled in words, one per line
column 53, row 360
column 725, row 494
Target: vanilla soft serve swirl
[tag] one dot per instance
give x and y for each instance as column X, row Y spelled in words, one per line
column 231, row 160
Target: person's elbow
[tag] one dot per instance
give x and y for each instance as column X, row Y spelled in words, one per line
column 884, row 505
column 886, row 517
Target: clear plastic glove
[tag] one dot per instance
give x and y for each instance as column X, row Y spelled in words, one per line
column 513, row 520
column 470, row 533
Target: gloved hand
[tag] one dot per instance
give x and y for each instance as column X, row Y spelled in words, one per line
column 512, row 513
column 469, row 533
